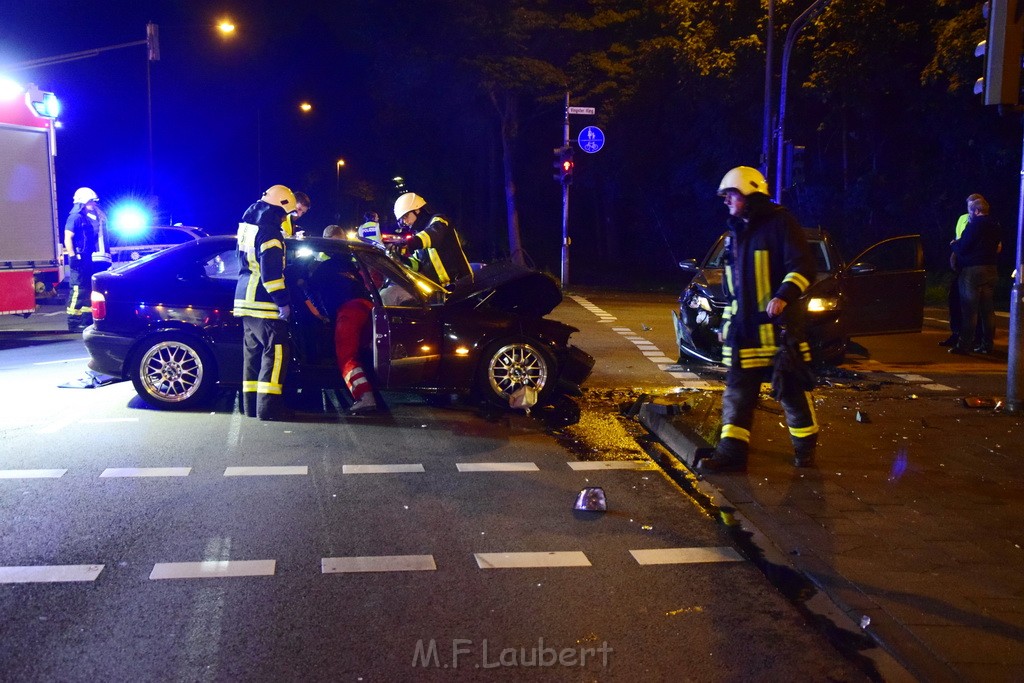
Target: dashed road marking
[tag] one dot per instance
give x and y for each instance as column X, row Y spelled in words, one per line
column 496, row 467
column 59, row 573
column 265, row 471
column 146, row 472
column 378, row 563
column 106, row 420
column 213, row 569
column 32, row 474
column 685, row 555
column 380, row 469
column 531, row 560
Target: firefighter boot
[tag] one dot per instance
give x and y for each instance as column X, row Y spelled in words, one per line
column 730, row 456
column 804, row 449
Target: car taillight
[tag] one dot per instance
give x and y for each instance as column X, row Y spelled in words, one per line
column 99, row 305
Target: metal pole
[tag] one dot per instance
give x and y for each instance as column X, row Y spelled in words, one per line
column 780, row 140
column 1014, row 373
column 766, row 145
column 565, row 203
column 149, row 120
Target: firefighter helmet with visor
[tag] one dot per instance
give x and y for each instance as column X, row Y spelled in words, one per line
column 745, row 180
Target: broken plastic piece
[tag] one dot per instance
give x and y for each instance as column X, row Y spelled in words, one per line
column 592, row 499
column 980, row 402
column 862, row 417
column 865, row 621
column 523, row 397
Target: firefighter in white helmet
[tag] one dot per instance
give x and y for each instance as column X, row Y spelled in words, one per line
column 82, row 237
column 768, row 267
column 262, row 302
column 436, row 249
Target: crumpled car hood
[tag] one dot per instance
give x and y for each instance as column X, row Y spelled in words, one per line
column 511, row 288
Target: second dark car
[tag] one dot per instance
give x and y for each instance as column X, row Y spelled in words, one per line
column 165, row 323
column 880, row 292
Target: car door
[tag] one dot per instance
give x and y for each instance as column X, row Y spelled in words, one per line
column 882, row 290
column 406, row 327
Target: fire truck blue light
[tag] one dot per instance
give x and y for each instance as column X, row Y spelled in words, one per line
column 128, row 219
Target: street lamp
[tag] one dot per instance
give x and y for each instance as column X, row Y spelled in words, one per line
column 341, row 162
column 306, row 107
column 226, row 27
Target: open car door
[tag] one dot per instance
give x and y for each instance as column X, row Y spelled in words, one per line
column 882, row 290
column 406, row 328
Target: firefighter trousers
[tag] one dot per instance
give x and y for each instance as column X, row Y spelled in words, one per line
column 266, row 352
column 742, row 388
column 80, row 294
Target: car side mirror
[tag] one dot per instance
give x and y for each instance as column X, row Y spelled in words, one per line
column 862, row 268
column 688, row 265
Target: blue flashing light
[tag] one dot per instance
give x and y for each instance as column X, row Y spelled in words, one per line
column 129, row 219
column 48, row 105
column 9, row 89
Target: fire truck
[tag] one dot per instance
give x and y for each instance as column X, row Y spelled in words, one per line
column 30, row 247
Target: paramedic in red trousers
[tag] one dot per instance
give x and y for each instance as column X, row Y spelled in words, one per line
column 436, row 250
column 340, row 295
column 768, row 268
column 261, row 301
column 81, row 241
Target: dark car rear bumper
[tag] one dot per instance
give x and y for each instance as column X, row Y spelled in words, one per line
column 108, row 352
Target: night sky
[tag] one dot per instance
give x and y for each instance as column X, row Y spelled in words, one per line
column 225, row 121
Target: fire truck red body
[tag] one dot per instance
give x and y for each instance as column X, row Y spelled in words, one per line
column 30, row 248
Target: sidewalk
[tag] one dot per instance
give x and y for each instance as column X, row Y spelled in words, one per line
column 911, row 522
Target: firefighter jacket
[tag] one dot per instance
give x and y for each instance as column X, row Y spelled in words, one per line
column 438, row 252
column 260, row 291
column 766, row 257
column 85, row 231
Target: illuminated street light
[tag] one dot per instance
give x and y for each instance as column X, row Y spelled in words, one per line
column 341, row 162
column 226, row 27
column 306, row 107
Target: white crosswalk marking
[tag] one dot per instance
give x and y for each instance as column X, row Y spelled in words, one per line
column 32, row 474
column 213, row 569
column 378, row 563
column 146, row 472
column 531, row 560
column 685, row 555
column 380, row 469
column 61, row 573
column 265, row 471
column 496, row 467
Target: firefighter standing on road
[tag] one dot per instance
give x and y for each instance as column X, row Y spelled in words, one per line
column 261, row 300
column 436, row 249
column 768, row 268
column 82, row 235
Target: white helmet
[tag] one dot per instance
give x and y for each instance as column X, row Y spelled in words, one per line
column 84, row 195
column 279, row 195
column 745, row 180
column 408, row 202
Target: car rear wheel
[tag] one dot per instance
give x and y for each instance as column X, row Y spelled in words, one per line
column 509, row 365
column 173, row 371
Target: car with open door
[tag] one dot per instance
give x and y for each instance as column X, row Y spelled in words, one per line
column 881, row 291
column 165, row 322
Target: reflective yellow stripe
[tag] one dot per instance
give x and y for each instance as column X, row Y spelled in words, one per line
column 73, row 301
column 798, row 280
column 801, row 432
column 257, row 305
column 270, row 244
column 762, row 352
column 275, row 374
column 424, row 238
column 755, row 362
column 435, row 259
column 249, row 386
column 268, row 388
column 734, row 432
column 762, row 280
column 274, row 285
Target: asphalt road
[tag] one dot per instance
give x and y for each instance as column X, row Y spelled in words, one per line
column 428, row 544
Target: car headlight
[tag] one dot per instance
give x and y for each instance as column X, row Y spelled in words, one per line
column 819, row 304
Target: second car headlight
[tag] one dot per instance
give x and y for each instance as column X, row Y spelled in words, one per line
column 819, row 304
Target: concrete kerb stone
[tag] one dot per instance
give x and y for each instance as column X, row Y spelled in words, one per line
column 683, row 447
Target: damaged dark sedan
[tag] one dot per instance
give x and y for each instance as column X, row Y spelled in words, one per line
column 165, row 323
column 881, row 291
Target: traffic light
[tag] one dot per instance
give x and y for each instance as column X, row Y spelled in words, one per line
column 563, row 165
column 794, row 164
column 1002, row 49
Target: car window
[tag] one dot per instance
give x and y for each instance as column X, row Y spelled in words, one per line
column 387, row 278
column 222, row 265
column 894, row 254
column 821, row 257
column 716, row 255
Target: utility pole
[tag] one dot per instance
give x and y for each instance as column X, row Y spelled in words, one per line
column 769, row 50
column 565, row 202
column 780, row 141
column 1014, row 372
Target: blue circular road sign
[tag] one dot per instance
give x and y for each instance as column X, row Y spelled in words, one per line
column 591, row 139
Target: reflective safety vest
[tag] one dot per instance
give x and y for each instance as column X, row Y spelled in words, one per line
column 260, row 291
column 370, row 230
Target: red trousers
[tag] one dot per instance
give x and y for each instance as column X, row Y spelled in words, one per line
column 351, row 320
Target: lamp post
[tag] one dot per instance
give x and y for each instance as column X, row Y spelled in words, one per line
column 341, row 162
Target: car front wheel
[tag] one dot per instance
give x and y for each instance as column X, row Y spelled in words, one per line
column 173, row 371
column 509, row 365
